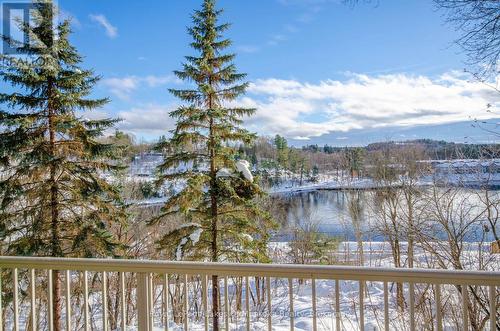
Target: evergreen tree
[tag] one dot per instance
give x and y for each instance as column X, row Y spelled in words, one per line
column 225, row 222
column 354, row 157
column 54, row 199
column 282, row 153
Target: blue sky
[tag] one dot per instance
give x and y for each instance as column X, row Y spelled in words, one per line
column 321, row 71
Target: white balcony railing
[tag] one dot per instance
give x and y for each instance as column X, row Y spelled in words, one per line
column 28, row 283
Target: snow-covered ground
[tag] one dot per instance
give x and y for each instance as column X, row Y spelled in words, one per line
column 324, row 182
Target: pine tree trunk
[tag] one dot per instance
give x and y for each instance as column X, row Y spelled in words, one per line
column 55, row 242
column 214, row 248
column 239, row 294
column 113, row 308
column 177, row 306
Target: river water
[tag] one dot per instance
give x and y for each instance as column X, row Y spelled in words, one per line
column 348, row 214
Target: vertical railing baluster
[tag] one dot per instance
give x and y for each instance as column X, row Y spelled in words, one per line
column 290, row 295
column 205, row 300
column 439, row 317
column 123, row 306
column 68, row 300
column 314, row 309
column 151, row 295
column 86, row 315
column 361, row 305
column 465, row 312
column 269, row 305
column 51, row 300
column 337, row 304
column 247, row 301
column 16, row 299
column 33, row 299
column 142, row 301
column 186, row 303
column 386, row 306
column 104, row 294
column 412, row 306
column 493, row 308
column 226, row 302
column 166, row 289
column 1, row 307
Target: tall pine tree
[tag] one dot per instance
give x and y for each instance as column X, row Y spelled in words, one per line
column 218, row 202
column 54, row 199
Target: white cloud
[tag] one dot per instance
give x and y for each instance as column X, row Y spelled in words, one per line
column 304, row 110
column 144, row 120
column 276, row 39
column 291, row 28
column 111, row 31
column 121, row 87
column 124, row 86
column 147, row 120
column 247, row 49
column 155, row 81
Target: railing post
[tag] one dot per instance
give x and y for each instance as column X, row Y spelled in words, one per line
column 386, row 306
column 290, row 296
column 186, row 303
column 123, row 304
column 314, row 308
column 493, row 309
column 269, row 304
column 68, row 300
column 439, row 316
column 1, row 308
column 226, row 302
column 204, row 300
column 143, row 301
column 412, row 306
column 86, row 315
column 151, row 295
column 166, row 292
column 33, row 300
column 247, row 301
column 50, row 298
column 362, row 305
column 16, row 302
column 465, row 312
column 104, row 300
column 338, row 315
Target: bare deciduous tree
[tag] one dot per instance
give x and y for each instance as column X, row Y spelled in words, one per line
column 479, row 24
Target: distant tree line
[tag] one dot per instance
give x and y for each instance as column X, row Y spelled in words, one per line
column 435, row 149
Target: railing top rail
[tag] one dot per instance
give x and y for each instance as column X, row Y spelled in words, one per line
column 434, row 276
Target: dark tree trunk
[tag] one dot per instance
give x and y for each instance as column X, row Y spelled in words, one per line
column 239, row 293
column 55, row 239
column 214, row 246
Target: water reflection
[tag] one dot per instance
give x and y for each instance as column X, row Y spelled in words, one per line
column 336, row 213
column 348, row 215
